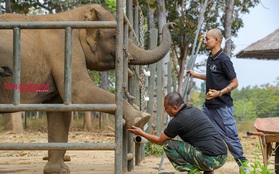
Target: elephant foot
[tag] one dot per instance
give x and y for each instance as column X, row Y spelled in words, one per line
column 56, row 168
column 139, row 121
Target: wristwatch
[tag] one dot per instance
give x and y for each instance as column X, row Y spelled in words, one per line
column 220, row 93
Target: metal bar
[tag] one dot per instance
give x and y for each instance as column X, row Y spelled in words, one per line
column 129, row 32
column 68, row 66
column 132, row 32
column 57, row 146
column 119, row 89
column 151, row 78
column 125, row 81
column 57, row 107
column 16, row 66
column 192, row 58
column 58, row 25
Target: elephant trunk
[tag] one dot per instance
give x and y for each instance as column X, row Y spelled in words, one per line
column 138, row 56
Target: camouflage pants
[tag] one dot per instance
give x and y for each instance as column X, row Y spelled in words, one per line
column 185, row 157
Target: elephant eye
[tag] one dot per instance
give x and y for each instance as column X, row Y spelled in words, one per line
column 113, row 38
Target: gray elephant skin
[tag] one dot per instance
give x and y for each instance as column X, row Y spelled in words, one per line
column 42, row 62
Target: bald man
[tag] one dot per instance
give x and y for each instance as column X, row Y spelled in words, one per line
column 201, row 148
column 220, row 80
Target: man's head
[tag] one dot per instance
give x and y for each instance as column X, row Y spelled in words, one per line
column 213, row 39
column 173, row 103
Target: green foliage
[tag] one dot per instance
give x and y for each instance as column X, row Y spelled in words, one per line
column 96, row 78
column 257, row 167
column 111, row 5
column 185, row 14
column 51, row 6
column 153, row 149
column 250, row 102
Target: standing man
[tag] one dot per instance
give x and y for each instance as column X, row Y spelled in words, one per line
column 202, row 148
column 220, row 81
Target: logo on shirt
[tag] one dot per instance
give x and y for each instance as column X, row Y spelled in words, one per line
column 213, row 68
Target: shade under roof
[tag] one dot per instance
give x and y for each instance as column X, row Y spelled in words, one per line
column 266, row 48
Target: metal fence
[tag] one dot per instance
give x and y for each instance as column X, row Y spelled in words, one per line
column 123, row 145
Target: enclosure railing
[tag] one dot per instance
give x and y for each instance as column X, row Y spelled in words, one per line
column 67, row 106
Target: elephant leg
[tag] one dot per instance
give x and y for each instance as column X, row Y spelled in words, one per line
column 133, row 116
column 58, row 130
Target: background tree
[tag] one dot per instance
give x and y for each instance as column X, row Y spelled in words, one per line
column 185, row 14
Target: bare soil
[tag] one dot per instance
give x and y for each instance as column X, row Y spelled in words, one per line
column 100, row 162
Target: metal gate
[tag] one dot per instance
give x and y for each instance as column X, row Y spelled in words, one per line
column 121, row 68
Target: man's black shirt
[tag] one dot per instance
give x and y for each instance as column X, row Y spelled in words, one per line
column 219, row 73
column 195, row 128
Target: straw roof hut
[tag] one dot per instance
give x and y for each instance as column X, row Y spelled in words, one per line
column 266, row 48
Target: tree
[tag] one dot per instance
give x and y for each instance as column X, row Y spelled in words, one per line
column 46, row 6
column 228, row 27
column 186, row 15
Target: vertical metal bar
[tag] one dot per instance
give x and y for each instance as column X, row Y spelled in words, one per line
column 159, row 92
column 138, row 154
column 151, row 79
column 192, row 59
column 136, row 20
column 16, row 57
column 129, row 13
column 169, row 77
column 137, row 68
column 119, row 88
column 125, row 80
column 68, row 66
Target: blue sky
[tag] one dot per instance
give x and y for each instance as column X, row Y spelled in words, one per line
column 260, row 22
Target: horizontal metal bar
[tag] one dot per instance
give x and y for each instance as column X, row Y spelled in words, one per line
column 58, row 25
column 58, row 107
column 58, row 146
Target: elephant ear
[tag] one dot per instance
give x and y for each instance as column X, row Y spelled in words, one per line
column 97, row 13
column 91, row 34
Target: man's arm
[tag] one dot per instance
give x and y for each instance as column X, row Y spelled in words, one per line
column 196, row 75
column 153, row 138
column 214, row 93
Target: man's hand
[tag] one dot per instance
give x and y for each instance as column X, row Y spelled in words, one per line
column 212, row 93
column 135, row 130
column 192, row 73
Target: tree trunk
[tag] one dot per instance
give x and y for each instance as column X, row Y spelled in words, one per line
column 8, row 6
column 162, row 20
column 13, row 122
column 103, row 117
column 87, row 121
column 228, row 27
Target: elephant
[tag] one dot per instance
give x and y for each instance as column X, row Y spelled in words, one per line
column 42, row 62
column 6, row 71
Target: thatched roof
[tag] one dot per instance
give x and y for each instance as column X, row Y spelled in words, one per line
column 266, row 48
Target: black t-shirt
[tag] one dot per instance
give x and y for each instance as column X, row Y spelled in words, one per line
column 195, row 128
column 219, row 73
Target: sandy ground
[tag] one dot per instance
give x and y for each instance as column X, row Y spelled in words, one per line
column 99, row 162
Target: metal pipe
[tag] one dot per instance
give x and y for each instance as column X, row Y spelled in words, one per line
column 151, row 78
column 139, row 139
column 57, row 107
column 57, row 146
column 68, row 66
column 16, row 66
column 130, row 156
column 58, row 25
column 119, row 89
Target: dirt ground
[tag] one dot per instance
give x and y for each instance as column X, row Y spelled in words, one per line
column 100, row 162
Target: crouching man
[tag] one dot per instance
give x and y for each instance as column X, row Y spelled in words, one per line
column 201, row 148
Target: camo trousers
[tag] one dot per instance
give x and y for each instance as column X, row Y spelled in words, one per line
column 185, row 157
